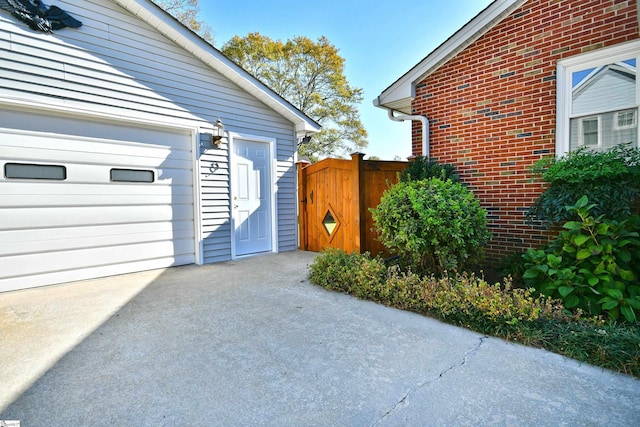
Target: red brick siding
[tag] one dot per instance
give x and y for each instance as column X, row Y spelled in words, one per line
column 492, row 107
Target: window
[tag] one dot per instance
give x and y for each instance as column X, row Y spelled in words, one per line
column 625, row 119
column 598, row 97
column 132, row 175
column 589, row 132
column 34, row 171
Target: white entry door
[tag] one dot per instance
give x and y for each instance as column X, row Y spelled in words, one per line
column 252, row 198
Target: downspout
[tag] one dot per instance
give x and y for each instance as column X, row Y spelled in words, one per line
column 402, row 117
column 425, row 127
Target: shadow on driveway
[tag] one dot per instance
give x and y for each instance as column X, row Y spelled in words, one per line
column 251, row 342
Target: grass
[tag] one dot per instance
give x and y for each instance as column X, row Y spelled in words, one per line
column 496, row 309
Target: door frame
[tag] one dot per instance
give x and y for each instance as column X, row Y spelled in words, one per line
column 232, row 138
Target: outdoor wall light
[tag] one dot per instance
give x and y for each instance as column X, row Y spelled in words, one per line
column 304, row 140
column 213, row 140
column 218, row 132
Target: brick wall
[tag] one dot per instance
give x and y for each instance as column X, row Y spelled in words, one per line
column 492, row 107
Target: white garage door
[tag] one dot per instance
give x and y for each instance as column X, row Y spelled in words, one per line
column 82, row 199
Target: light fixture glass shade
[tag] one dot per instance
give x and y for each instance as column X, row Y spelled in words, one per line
column 218, row 130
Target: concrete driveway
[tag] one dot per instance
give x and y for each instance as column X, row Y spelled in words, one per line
column 251, row 342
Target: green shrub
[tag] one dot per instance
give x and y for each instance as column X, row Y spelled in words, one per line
column 488, row 308
column 436, row 225
column 594, row 264
column 423, row 167
column 354, row 273
column 514, row 314
column 611, row 179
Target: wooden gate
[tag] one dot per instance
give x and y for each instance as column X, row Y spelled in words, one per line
column 335, row 197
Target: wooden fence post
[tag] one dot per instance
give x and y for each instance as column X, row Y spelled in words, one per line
column 358, row 199
column 302, row 206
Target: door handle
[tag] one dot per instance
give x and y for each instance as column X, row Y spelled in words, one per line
column 311, row 196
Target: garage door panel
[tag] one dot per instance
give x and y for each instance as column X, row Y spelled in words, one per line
column 65, row 200
column 94, row 173
column 31, row 188
column 23, row 242
column 56, row 156
column 20, row 265
column 180, row 229
column 36, row 218
column 66, row 146
column 31, row 121
column 34, row 280
column 86, row 225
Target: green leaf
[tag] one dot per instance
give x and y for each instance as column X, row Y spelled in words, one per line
column 572, row 225
column 553, row 261
column 633, row 302
column 609, row 304
column 624, row 255
column 580, row 239
column 582, row 202
column 627, row 274
column 602, row 229
column 565, row 290
column 628, row 313
column 531, row 273
column 572, row 301
column 613, row 293
column 583, row 254
column 593, row 280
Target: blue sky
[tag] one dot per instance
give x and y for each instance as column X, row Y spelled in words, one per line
column 380, row 41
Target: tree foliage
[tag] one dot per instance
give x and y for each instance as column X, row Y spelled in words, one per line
column 423, row 167
column 186, row 11
column 310, row 75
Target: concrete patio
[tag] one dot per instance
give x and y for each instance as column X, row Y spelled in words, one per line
column 251, row 342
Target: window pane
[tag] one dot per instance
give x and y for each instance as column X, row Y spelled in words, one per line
column 590, row 132
column 626, row 119
column 604, row 106
column 131, row 175
column 31, row 171
column 607, row 88
column 584, row 131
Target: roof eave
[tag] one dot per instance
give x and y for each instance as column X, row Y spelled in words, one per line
column 402, row 91
column 194, row 44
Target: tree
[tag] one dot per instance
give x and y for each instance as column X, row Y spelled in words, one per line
column 186, row 11
column 311, row 77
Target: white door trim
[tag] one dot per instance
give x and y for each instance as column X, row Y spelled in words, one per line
column 233, row 137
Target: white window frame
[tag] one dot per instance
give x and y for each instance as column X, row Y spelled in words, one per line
column 616, row 123
column 581, row 121
column 564, row 72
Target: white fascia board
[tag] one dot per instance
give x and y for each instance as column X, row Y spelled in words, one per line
column 402, row 91
column 194, row 44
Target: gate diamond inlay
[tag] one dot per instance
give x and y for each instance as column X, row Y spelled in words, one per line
column 330, row 223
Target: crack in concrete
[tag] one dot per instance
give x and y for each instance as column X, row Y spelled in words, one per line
column 440, row 375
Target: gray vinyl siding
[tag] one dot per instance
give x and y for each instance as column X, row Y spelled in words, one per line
column 118, row 65
column 608, row 92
